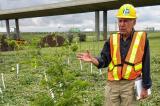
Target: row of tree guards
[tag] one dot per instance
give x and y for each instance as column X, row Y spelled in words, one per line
column 2, row 89
column 3, row 81
column 90, row 46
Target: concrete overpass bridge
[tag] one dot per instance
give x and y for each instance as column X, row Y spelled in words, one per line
column 71, row 7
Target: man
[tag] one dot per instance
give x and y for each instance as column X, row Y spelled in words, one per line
column 127, row 57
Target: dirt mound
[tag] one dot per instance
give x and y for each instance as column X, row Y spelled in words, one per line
column 51, row 41
column 7, row 44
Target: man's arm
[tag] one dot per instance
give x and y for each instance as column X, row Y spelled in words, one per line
column 101, row 61
column 105, row 57
column 146, row 67
column 146, row 79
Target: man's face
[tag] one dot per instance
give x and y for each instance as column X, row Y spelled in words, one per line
column 126, row 25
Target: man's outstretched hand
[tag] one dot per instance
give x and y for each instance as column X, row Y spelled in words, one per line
column 87, row 57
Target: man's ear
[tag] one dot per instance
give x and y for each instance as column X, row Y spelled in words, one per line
column 134, row 22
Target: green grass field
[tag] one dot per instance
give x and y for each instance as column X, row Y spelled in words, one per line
column 47, row 71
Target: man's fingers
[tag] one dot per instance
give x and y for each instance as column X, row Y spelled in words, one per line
column 88, row 52
column 82, row 59
column 144, row 95
column 80, row 55
column 79, row 58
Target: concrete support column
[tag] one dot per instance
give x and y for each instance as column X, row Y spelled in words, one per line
column 105, row 25
column 97, row 25
column 7, row 27
column 17, row 29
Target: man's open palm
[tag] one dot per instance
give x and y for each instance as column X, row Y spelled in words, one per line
column 85, row 56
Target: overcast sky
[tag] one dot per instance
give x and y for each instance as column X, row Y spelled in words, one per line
column 147, row 17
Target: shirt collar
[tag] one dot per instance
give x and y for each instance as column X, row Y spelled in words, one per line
column 131, row 36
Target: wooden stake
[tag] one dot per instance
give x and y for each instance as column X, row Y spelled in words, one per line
column 68, row 61
column 1, row 92
column 17, row 66
column 3, row 81
column 52, row 94
column 45, row 76
column 50, row 90
column 81, row 64
column 91, row 68
column 100, row 71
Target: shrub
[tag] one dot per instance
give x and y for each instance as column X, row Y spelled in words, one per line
column 70, row 37
column 82, row 37
column 7, row 44
column 12, row 44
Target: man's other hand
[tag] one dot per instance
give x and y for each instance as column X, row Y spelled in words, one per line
column 144, row 93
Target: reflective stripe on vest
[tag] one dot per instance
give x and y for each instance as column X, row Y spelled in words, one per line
column 115, row 44
column 138, row 66
column 111, row 66
column 133, row 56
column 114, row 70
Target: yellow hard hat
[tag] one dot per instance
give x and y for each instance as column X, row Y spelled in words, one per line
column 126, row 11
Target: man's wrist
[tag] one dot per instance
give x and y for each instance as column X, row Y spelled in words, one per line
column 94, row 61
column 146, row 88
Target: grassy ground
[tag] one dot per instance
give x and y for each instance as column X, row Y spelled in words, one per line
column 28, row 87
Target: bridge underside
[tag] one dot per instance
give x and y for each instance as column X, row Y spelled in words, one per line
column 71, row 7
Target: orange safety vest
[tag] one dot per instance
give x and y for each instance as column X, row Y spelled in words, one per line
column 132, row 67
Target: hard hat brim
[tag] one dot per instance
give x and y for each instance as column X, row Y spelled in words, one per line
column 126, row 17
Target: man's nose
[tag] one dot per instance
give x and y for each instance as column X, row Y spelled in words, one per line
column 122, row 23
